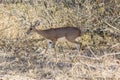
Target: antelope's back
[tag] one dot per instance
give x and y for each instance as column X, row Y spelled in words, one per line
column 73, row 31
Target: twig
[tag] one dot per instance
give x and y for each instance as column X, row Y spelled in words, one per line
column 92, row 52
column 115, row 45
column 99, row 58
column 112, row 26
column 116, row 18
column 110, row 54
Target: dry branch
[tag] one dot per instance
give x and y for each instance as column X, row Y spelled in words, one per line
column 112, row 26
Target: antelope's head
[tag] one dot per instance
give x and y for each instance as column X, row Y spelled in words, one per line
column 32, row 26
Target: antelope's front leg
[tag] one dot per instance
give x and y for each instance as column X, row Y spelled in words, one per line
column 49, row 44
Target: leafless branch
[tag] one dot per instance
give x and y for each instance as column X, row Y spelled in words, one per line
column 112, row 26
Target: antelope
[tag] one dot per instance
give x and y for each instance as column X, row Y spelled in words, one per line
column 53, row 34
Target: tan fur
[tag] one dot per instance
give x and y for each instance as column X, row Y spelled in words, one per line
column 53, row 34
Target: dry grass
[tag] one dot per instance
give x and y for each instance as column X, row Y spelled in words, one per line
column 22, row 56
column 69, row 65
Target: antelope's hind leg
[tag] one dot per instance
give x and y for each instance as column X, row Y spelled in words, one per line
column 77, row 46
column 72, row 40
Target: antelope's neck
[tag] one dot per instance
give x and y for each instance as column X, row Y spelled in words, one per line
column 36, row 30
column 41, row 32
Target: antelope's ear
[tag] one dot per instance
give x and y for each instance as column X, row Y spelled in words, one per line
column 30, row 24
column 37, row 23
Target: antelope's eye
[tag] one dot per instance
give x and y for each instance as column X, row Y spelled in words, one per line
column 30, row 28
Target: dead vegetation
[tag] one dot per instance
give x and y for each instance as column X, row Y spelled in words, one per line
column 22, row 56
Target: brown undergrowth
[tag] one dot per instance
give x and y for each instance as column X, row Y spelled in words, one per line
column 23, row 57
